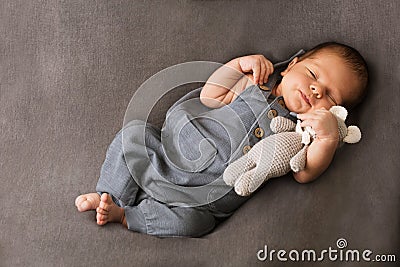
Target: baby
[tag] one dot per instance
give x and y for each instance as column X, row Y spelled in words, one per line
column 247, row 92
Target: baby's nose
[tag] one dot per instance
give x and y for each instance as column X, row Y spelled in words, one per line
column 316, row 91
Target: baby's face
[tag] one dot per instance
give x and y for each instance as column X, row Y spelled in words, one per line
column 321, row 81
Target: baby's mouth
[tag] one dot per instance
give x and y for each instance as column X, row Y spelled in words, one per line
column 305, row 98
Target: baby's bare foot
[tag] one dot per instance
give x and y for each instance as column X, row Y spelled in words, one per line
column 87, row 202
column 108, row 211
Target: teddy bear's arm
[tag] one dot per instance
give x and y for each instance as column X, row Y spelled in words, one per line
column 281, row 124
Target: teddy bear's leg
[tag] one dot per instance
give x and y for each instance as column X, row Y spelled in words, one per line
column 298, row 162
column 248, row 182
column 237, row 168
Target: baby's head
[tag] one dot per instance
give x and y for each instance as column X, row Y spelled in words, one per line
column 354, row 61
column 327, row 75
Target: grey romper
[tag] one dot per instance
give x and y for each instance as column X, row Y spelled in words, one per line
column 155, row 175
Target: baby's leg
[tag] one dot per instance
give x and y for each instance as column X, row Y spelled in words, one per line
column 87, row 202
column 115, row 177
column 108, row 211
column 156, row 218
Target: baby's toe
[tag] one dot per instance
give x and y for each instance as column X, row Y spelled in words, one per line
column 83, row 204
column 106, row 202
column 100, row 222
column 101, row 211
column 106, row 198
column 79, row 200
column 101, row 217
column 87, row 202
column 104, row 206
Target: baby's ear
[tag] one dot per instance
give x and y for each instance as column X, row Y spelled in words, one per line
column 291, row 64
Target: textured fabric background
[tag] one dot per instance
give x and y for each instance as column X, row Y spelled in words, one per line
column 68, row 70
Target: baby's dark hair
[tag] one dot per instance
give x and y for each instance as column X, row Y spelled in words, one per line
column 353, row 59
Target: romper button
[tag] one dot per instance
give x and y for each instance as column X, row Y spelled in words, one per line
column 282, row 103
column 246, row 149
column 259, row 132
column 272, row 114
column 264, row 87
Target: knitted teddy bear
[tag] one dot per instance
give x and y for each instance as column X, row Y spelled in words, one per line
column 281, row 152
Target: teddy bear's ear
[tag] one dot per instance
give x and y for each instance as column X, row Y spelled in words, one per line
column 339, row 112
column 353, row 135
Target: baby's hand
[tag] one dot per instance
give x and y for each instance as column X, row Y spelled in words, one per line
column 323, row 122
column 258, row 65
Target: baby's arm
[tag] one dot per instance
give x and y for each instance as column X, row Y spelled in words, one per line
column 226, row 83
column 321, row 151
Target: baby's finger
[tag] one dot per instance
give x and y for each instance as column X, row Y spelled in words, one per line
column 308, row 122
column 270, row 69
column 256, row 72
column 270, row 66
column 266, row 71
column 263, row 73
column 315, row 114
column 305, row 116
column 321, row 113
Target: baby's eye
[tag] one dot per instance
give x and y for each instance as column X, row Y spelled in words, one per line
column 312, row 74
